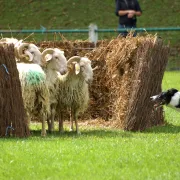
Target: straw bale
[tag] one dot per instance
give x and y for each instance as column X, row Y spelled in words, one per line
column 71, row 48
column 150, row 65
column 130, row 70
column 136, row 67
column 12, row 113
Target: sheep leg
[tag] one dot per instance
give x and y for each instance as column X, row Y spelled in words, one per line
column 71, row 122
column 28, row 118
column 49, row 125
column 53, row 112
column 76, row 123
column 43, row 131
column 61, row 130
column 49, row 122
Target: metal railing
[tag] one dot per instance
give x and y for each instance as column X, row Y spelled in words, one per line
column 151, row 29
column 92, row 33
column 46, row 31
column 141, row 29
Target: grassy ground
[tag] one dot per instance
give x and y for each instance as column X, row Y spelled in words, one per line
column 79, row 14
column 76, row 14
column 97, row 153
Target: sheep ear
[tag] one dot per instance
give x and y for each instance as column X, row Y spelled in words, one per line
column 29, row 55
column 77, row 68
column 48, row 57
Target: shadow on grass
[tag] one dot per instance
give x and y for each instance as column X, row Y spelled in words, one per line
column 167, row 128
column 85, row 133
column 102, row 133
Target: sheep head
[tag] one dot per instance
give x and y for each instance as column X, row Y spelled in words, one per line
column 16, row 44
column 30, row 52
column 86, row 69
column 54, row 58
column 82, row 66
column 73, row 64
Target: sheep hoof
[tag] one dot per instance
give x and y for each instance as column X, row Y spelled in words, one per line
column 78, row 133
column 43, row 134
column 61, row 131
column 70, row 129
column 51, row 130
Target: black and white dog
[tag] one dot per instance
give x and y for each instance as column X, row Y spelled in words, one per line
column 170, row 98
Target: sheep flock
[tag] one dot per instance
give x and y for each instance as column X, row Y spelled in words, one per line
column 51, row 85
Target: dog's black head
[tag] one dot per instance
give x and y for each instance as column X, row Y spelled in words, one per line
column 164, row 97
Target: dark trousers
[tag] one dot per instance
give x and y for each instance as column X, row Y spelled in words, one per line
column 125, row 32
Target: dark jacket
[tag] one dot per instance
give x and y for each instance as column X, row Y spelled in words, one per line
column 127, row 5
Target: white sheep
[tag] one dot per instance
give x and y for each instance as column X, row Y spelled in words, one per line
column 54, row 63
column 73, row 89
column 35, row 91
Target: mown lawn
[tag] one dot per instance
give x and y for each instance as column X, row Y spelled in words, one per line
column 97, row 153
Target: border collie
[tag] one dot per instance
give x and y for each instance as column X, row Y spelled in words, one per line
column 170, row 98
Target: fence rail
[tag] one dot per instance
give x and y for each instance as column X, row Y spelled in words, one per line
column 140, row 29
column 87, row 30
column 46, row 31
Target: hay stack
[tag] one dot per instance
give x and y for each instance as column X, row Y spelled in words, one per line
column 149, row 69
column 136, row 67
column 134, row 72
column 130, row 71
column 71, row 48
column 12, row 113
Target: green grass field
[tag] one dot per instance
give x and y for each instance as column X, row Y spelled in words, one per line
column 31, row 14
column 97, row 153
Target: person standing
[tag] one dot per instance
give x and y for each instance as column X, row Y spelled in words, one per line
column 127, row 10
